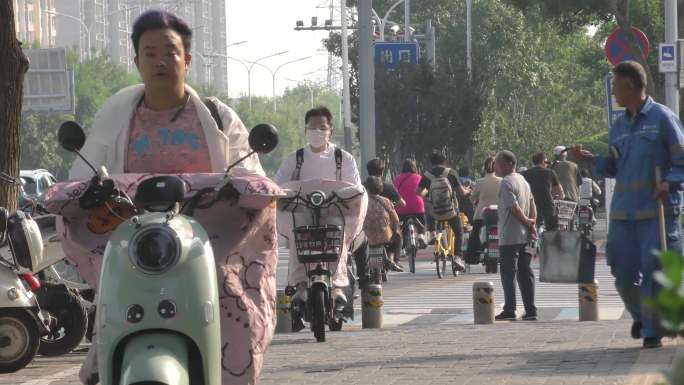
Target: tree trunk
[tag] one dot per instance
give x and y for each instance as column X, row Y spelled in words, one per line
column 13, row 66
column 620, row 9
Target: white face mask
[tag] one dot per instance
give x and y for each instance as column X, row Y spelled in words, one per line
column 316, row 138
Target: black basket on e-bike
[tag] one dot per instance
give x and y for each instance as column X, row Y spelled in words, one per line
column 316, row 244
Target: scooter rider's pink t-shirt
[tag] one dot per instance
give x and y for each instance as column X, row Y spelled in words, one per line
column 156, row 144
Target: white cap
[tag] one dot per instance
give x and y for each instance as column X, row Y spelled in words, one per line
column 558, row 149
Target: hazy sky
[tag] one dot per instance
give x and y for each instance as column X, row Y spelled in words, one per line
column 268, row 25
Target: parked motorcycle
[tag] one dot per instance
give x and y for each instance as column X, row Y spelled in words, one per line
column 61, row 301
column 158, row 315
column 21, row 321
column 326, row 217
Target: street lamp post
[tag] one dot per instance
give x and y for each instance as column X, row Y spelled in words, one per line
column 85, row 27
column 249, row 69
column 274, row 73
column 249, row 74
column 308, row 86
column 204, row 63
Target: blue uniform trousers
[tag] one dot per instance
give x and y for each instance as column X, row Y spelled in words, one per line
column 629, row 252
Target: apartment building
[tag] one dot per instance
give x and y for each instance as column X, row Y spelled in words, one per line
column 35, row 25
column 105, row 26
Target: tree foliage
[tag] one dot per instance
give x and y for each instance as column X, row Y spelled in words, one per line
column 537, row 78
column 96, row 79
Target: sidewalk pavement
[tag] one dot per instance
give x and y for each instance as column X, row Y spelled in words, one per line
column 505, row 353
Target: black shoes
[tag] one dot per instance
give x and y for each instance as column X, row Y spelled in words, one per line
column 652, row 342
column 297, row 325
column 421, row 244
column 393, row 266
column 636, row 330
column 505, row 316
column 530, row 317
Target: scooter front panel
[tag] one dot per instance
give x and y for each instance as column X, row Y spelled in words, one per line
column 138, row 301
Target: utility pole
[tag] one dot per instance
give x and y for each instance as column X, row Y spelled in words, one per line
column 469, row 67
column 469, row 38
column 431, row 43
column 366, row 83
column 407, row 20
column 671, row 87
column 346, row 98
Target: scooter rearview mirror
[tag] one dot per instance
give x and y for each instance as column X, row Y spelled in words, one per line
column 71, row 136
column 263, row 138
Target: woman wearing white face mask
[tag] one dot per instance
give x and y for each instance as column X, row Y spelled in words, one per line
column 319, row 159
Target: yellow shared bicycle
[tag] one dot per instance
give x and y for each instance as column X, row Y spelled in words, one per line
column 445, row 247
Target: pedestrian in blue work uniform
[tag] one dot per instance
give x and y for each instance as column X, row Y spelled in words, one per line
column 646, row 137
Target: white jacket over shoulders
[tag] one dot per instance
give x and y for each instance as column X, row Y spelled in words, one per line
column 108, row 138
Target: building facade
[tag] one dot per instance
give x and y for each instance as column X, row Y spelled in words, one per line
column 106, row 26
column 35, row 25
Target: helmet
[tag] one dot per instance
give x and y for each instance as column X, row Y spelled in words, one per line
column 558, row 150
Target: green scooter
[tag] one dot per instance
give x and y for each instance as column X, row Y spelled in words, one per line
column 158, row 319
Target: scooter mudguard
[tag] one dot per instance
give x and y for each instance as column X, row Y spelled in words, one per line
column 155, row 358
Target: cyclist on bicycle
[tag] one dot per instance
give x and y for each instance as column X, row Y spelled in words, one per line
column 382, row 223
column 439, row 184
column 407, row 182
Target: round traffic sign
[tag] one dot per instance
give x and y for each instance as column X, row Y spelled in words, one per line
column 617, row 47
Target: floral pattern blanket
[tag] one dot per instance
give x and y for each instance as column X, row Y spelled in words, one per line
column 244, row 240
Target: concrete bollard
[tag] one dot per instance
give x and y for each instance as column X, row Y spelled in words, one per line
column 588, row 301
column 284, row 320
column 371, row 308
column 483, row 303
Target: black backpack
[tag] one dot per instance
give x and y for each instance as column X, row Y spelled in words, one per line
column 300, row 161
column 213, row 109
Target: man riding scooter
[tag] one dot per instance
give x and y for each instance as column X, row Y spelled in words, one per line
column 320, row 160
column 163, row 126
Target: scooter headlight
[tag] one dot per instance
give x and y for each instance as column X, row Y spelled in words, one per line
column 155, row 249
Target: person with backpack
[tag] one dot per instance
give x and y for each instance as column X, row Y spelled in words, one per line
column 163, row 126
column 320, row 160
column 440, row 185
column 381, row 225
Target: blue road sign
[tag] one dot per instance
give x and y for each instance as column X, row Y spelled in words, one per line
column 392, row 53
column 667, row 59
